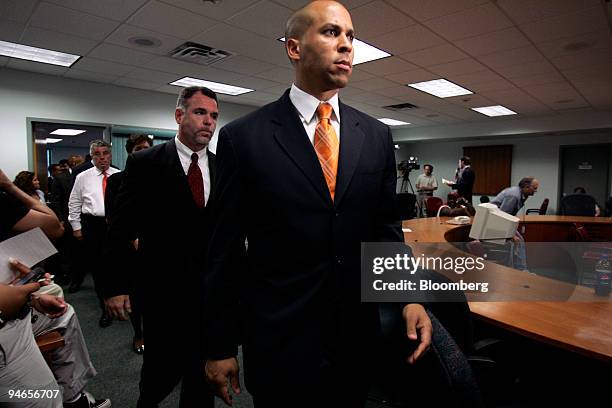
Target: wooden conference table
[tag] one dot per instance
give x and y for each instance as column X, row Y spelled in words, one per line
column 582, row 325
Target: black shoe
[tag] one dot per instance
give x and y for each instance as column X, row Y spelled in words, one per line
column 87, row 401
column 105, row 320
column 74, row 287
column 138, row 346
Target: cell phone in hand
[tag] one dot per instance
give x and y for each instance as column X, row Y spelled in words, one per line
column 33, row 276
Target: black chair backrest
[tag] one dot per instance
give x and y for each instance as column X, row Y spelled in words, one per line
column 405, row 205
column 578, row 204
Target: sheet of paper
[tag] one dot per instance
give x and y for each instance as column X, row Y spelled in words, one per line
column 30, row 248
column 445, row 181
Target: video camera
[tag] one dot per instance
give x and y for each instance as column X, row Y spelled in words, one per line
column 406, row 166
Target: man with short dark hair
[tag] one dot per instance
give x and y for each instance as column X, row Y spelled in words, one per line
column 465, row 178
column 306, row 179
column 426, row 184
column 163, row 201
column 86, row 215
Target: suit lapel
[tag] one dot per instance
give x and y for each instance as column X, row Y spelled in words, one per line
column 351, row 141
column 176, row 174
column 291, row 136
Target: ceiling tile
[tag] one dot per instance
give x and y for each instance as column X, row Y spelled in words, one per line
column 134, row 83
column 122, row 35
column 3, row 61
column 243, row 65
column 297, row 4
column 170, row 20
column 595, row 41
column 470, row 101
column 283, row 75
column 264, row 18
column 256, row 83
column 377, row 18
column 15, row 63
column 515, row 56
column 524, row 11
column 567, row 25
column 413, row 38
column 434, row 55
column 493, row 42
column 470, row 79
column 588, row 57
column 416, row 75
column 490, row 86
column 360, row 75
column 471, row 22
column 278, row 89
column 374, row 99
column 350, row 91
column 55, row 41
column 104, row 67
column 372, row 84
column 89, row 76
column 426, row 10
column 11, row 30
column 555, row 93
column 464, row 66
column 64, row 20
column 17, row 10
column 538, row 79
column 220, row 11
column 148, row 75
column 601, row 70
column 179, row 68
column 110, row 52
column 529, row 68
column 239, row 41
column 387, row 66
column 117, row 10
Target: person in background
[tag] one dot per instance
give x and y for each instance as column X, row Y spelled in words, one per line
column 465, row 178
column 64, row 165
column 28, row 182
column 426, row 184
column 135, row 143
column 86, row 215
column 54, row 170
column 582, row 190
column 75, row 161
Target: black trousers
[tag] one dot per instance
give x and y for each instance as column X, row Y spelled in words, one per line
column 94, row 238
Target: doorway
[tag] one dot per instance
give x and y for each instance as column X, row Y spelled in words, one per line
column 586, row 166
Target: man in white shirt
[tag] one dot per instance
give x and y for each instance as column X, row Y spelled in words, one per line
column 426, row 184
column 86, row 212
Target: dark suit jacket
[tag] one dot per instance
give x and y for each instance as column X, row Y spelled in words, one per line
column 296, row 302
column 60, row 193
column 465, row 184
column 155, row 205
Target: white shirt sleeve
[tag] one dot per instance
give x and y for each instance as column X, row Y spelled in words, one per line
column 75, row 204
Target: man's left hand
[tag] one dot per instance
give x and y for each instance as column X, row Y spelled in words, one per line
column 52, row 306
column 418, row 326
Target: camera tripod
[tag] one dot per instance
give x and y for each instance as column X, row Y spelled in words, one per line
column 406, row 183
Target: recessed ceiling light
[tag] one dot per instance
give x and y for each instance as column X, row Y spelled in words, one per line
column 496, row 110
column 364, row 52
column 393, row 122
column 42, row 55
column 145, row 41
column 215, row 86
column 67, row 132
column 52, row 140
column 440, row 88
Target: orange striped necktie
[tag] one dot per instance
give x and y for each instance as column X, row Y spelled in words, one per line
column 326, row 145
column 104, row 180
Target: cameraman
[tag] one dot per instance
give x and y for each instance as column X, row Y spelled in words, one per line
column 426, row 184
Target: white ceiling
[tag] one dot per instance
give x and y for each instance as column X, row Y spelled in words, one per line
column 536, row 57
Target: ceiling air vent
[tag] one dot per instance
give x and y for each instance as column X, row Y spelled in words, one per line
column 400, row 107
column 199, row 54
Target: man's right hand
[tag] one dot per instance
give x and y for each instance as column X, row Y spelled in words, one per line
column 78, row 234
column 218, row 373
column 119, row 307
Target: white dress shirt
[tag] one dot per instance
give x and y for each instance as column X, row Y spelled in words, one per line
column 307, row 104
column 86, row 196
column 184, row 154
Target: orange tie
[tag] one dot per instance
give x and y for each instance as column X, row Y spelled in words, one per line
column 326, row 146
column 104, row 179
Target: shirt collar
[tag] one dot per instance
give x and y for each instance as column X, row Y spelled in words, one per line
column 307, row 104
column 187, row 152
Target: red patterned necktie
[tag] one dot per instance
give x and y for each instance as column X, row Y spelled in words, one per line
column 327, row 147
column 196, row 183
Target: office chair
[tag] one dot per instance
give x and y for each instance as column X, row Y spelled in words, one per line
column 433, row 204
column 541, row 210
column 578, row 204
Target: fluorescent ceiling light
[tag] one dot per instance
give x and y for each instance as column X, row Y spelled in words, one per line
column 67, row 132
column 215, row 86
column 52, row 140
column 496, row 110
column 393, row 122
column 440, row 88
column 28, row 53
column 364, row 52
